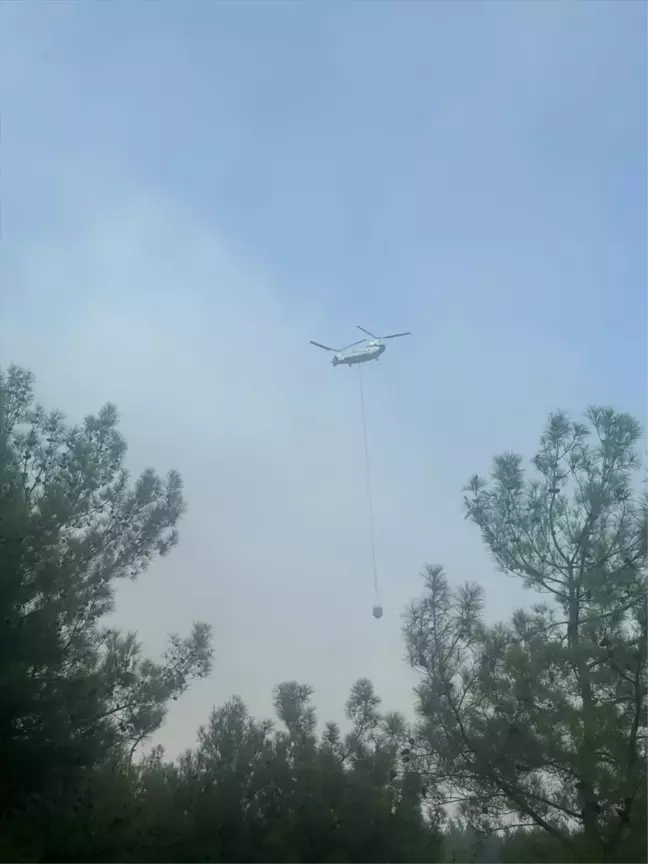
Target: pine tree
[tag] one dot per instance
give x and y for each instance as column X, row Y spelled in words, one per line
column 73, row 692
column 253, row 791
column 542, row 721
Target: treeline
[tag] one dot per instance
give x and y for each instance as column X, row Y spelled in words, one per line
column 529, row 742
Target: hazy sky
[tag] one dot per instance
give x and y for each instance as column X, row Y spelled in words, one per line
column 192, row 191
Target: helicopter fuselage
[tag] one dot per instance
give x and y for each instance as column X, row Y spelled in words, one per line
column 371, row 351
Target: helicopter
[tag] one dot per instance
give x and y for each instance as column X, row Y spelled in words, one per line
column 371, row 350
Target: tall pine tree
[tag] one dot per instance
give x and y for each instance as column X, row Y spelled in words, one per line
column 542, row 721
column 71, row 526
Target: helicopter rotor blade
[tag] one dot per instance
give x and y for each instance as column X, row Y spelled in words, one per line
column 394, row 335
column 366, row 331
column 325, row 347
column 352, row 344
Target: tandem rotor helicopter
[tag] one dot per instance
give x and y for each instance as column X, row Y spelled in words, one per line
column 371, row 350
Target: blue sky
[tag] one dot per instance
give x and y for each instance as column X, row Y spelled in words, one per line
column 193, row 191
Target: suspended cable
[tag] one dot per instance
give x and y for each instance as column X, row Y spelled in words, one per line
column 368, row 485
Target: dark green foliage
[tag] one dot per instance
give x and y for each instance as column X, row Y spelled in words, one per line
column 251, row 793
column 74, row 693
column 542, row 721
